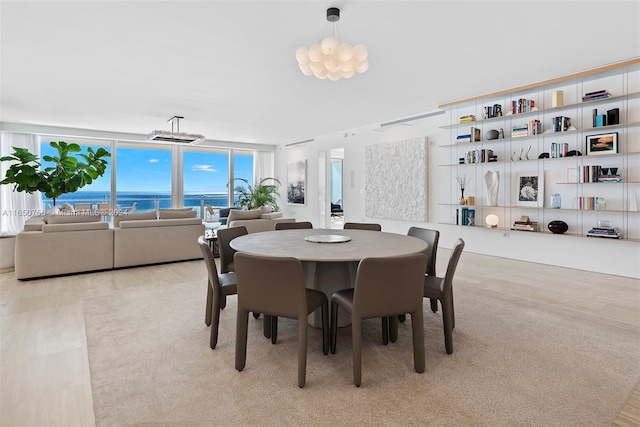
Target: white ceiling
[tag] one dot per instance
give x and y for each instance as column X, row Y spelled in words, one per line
column 229, row 66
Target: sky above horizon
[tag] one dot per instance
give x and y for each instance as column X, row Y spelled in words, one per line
column 149, row 170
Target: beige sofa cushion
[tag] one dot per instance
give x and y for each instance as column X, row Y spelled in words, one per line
column 236, row 215
column 160, row 223
column 272, row 215
column 73, row 217
column 76, row 226
column 133, row 217
column 177, row 213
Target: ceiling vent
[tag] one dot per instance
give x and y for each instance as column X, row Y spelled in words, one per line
column 175, row 135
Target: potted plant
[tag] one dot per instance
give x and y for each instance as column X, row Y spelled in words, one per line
column 67, row 175
column 256, row 196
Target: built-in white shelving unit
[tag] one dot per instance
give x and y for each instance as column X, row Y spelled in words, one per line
column 522, row 156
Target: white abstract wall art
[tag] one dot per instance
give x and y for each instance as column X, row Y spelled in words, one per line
column 396, row 180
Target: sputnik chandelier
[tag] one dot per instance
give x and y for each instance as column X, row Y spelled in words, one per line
column 331, row 58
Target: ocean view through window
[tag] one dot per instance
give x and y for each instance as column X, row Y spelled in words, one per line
column 144, row 177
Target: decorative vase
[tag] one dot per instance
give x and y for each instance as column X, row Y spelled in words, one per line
column 558, row 227
column 492, row 182
column 461, row 200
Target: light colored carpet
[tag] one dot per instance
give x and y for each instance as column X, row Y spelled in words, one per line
column 515, row 362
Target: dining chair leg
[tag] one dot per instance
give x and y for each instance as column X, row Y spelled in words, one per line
column 302, row 350
column 325, row 327
column 385, row 330
column 393, row 328
column 417, row 328
column 242, row 325
column 223, row 302
column 207, row 314
column 434, row 305
column 453, row 314
column 334, row 326
column 266, row 326
column 215, row 318
column 356, row 337
column 274, row 329
column 447, row 326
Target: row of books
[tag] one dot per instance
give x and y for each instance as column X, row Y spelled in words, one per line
column 560, row 124
column 492, row 111
column 609, row 178
column 593, row 173
column 520, row 130
column 466, row 216
column 479, row 156
column 558, row 149
column 589, row 203
column 473, row 136
column 522, row 105
column 610, row 232
column 596, row 95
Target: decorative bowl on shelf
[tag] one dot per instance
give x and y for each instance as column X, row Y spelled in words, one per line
column 492, row 134
column 558, row 227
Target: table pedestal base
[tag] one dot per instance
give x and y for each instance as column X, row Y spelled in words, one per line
column 329, row 277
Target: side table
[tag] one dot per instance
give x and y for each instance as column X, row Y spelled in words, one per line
column 211, row 236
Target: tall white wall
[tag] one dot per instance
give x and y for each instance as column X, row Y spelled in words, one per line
column 598, row 255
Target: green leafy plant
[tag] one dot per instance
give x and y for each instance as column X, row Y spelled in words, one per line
column 256, row 196
column 67, row 175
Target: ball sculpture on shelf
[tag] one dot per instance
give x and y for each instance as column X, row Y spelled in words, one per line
column 558, row 227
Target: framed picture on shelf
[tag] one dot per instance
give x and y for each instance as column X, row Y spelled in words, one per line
column 296, row 182
column 530, row 189
column 605, row 143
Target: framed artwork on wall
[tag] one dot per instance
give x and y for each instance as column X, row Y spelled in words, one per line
column 605, row 143
column 530, row 189
column 296, row 182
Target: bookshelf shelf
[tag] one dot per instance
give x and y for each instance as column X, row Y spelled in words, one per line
column 551, row 174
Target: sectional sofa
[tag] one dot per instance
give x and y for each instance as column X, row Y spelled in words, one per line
column 69, row 242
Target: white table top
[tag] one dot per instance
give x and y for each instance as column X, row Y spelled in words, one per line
column 363, row 244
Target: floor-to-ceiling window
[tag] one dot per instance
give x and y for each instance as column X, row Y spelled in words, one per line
column 99, row 191
column 243, row 169
column 205, row 178
column 143, row 178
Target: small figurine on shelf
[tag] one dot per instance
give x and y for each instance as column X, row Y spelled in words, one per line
column 462, row 182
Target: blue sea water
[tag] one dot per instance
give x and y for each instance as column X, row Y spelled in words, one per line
column 144, row 201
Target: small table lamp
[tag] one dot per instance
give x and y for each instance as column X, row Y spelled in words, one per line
column 491, row 220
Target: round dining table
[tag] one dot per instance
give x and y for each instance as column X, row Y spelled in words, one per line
column 329, row 256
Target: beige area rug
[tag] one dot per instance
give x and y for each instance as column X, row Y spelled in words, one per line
column 515, row 362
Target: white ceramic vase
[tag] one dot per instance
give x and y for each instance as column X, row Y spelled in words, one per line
column 492, row 183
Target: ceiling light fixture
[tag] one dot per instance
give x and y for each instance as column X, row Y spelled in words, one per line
column 331, row 58
column 175, row 135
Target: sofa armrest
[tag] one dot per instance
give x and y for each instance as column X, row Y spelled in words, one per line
column 272, row 215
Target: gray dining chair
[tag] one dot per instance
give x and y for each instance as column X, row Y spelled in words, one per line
column 225, row 236
column 218, row 287
column 441, row 289
column 293, row 225
column 384, row 287
column 362, row 226
column 431, row 237
column 275, row 286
